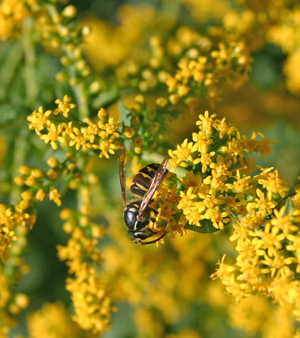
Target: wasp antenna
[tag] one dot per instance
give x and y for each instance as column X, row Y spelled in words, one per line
column 122, row 174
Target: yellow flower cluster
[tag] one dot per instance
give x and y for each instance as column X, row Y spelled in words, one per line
column 267, row 243
column 38, row 185
column 258, row 316
column 286, row 35
column 215, row 185
column 199, row 67
column 10, row 304
column 53, row 321
column 11, row 217
column 134, row 23
column 291, row 71
column 90, row 299
column 200, row 74
column 56, row 127
column 277, row 23
column 12, row 14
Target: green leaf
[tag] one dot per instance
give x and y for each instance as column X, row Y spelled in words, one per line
column 205, row 228
column 11, row 59
column 125, row 114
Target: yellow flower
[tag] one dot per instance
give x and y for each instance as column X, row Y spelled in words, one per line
column 241, row 232
column 91, row 131
column 106, row 147
column 284, row 290
column 225, row 129
column 274, row 184
column 53, row 135
column 218, row 218
column 206, row 123
column 39, row 120
column 102, row 113
column 54, row 196
column 40, row 195
column 294, row 244
column 201, row 142
column 182, row 154
column 241, row 184
column 215, row 182
column 235, row 148
column 191, row 180
column 224, row 271
column 109, row 128
column 52, row 162
column 53, row 320
column 64, row 106
column 283, row 222
column 268, row 240
column 221, row 168
column 262, row 204
column 78, row 139
column 205, row 159
column 277, row 265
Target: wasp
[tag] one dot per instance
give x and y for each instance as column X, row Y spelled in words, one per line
column 138, row 214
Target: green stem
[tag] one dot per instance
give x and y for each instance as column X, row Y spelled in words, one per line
column 19, row 155
column 79, row 90
column 30, row 63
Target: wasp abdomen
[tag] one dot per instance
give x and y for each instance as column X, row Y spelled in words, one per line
column 142, row 180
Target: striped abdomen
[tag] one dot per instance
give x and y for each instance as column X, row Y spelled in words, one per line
column 142, row 180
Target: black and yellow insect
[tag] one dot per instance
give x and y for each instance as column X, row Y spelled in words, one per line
column 138, row 214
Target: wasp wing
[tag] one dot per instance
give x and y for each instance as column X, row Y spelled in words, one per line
column 156, row 181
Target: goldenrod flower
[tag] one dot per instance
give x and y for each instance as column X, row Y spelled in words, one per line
column 91, row 131
column 106, row 147
column 206, row 123
column 54, row 196
column 262, row 204
column 53, row 135
column 78, row 140
column 274, row 184
column 182, row 155
column 40, row 195
column 100, row 135
column 53, row 320
column 64, row 106
column 39, row 120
